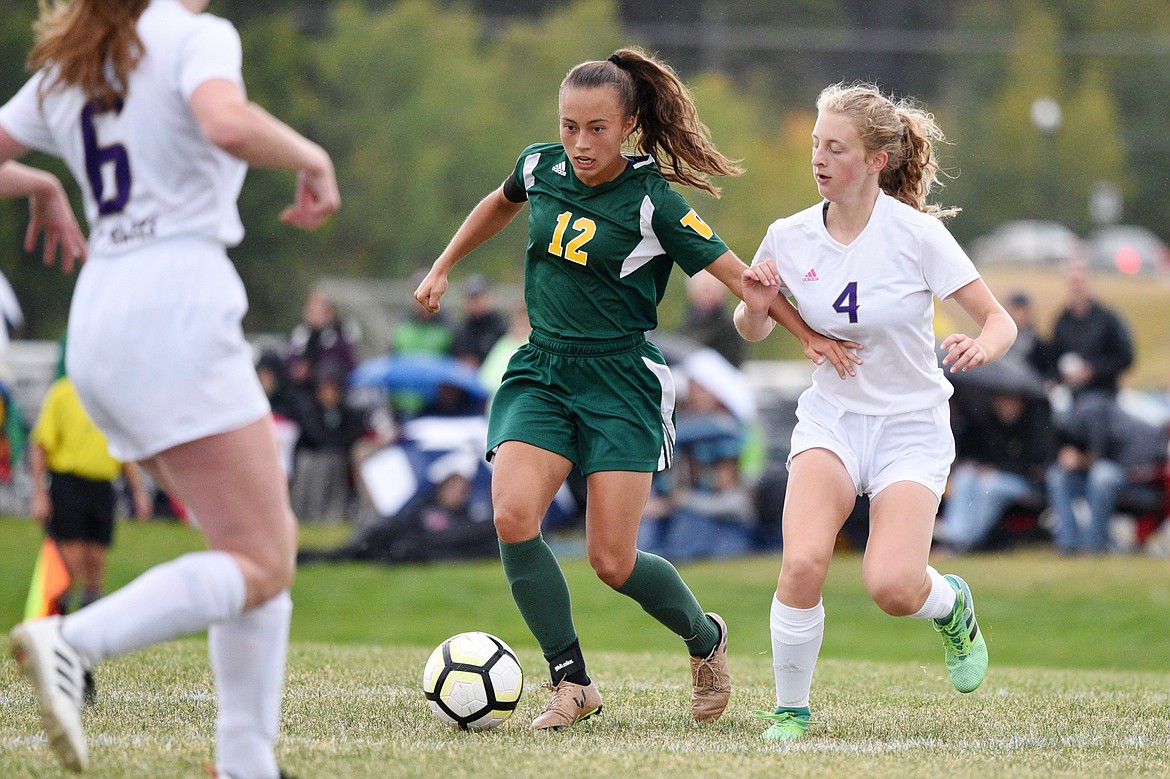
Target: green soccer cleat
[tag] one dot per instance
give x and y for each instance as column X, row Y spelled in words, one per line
column 966, row 651
column 787, row 724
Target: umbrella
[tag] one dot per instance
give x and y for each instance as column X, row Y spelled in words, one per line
column 714, row 373
column 419, row 373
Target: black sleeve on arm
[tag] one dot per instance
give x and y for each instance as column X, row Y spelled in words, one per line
column 514, row 190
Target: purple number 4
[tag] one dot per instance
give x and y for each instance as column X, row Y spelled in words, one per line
column 846, row 302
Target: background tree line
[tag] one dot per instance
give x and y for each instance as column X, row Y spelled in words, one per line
column 425, row 106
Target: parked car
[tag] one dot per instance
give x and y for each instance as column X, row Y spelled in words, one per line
column 1027, row 242
column 1128, row 249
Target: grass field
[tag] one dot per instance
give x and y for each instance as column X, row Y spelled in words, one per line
column 1079, row 683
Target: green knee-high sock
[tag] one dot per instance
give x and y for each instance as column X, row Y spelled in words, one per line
column 660, row 591
column 541, row 593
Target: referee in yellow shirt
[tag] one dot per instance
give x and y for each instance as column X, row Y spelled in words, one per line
column 76, row 502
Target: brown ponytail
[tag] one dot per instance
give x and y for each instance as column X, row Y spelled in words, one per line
column 80, row 37
column 906, row 133
column 667, row 123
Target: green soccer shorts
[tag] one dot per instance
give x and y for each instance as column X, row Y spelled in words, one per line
column 604, row 405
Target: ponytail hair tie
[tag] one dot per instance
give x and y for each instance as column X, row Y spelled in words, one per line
column 615, row 59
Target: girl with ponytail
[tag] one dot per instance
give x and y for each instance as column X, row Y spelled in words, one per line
column 588, row 390
column 865, row 265
column 144, row 100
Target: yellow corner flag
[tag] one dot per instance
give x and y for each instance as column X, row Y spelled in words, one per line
column 50, row 580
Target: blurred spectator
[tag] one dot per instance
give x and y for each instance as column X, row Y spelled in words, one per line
column 1091, row 345
column 1029, row 347
column 284, row 399
column 701, row 507
column 444, row 521
column 320, row 487
column 491, row 372
column 708, row 320
column 452, row 401
column 320, row 338
column 1103, row 450
column 300, row 380
column 422, row 332
column 289, row 405
column 1003, row 446
column 12, row 434
column 482, row 324
column 73, row 478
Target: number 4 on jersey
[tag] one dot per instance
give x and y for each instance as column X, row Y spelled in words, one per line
column 846, row 302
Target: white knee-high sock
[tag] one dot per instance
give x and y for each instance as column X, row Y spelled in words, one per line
column 941, row 600
column 248, row 657
column 170, row 600
column 796, row 644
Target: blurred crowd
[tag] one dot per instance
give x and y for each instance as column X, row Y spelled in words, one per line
column 1048, row 448
column 1046, row 445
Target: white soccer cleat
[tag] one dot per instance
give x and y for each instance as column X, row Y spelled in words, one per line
column 58, row 674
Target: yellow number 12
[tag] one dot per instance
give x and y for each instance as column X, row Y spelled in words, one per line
column 572, row 252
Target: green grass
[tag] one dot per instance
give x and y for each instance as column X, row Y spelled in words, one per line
column 1078, row 683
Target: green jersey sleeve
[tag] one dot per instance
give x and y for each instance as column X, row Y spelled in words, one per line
column 686, row 238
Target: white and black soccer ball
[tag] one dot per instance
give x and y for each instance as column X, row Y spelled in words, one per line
column 473, row 680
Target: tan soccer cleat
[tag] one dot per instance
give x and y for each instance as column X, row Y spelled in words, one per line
column 570, row 703
column 711, row 679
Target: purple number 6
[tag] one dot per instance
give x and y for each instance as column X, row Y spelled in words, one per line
column 97, row 157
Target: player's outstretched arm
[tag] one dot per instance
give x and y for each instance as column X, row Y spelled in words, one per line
column 247, row 131
column 50, row 212
column 489, row 216
column 757, row 288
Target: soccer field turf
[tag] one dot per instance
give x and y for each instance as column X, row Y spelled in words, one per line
column 1078, row 686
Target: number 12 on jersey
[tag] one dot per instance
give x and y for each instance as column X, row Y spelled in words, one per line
column 846, row 302
column 573, row 250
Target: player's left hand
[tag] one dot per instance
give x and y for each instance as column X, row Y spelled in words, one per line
column 316, row 199
column 842, row 355
column 963, row 352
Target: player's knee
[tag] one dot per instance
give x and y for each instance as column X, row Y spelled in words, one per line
column 802, row 572
column 267, row 572
column 512, row 526
column 895, row 595
column 611, row 567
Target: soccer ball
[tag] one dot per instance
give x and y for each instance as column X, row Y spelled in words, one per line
column 473, row 680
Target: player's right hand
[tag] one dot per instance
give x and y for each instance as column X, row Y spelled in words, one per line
column 431, row 289
column 51, row 214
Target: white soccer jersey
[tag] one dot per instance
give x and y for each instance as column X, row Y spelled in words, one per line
column 147, row 171
column 878, row 291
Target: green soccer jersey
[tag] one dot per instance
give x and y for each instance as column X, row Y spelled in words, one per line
column 599, row 258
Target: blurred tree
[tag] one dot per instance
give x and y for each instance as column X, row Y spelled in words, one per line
column 278, row 263
column 43, row 292
column 427, row 119
column 425, row 105
column 1140, row 82
column 1011, row 167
